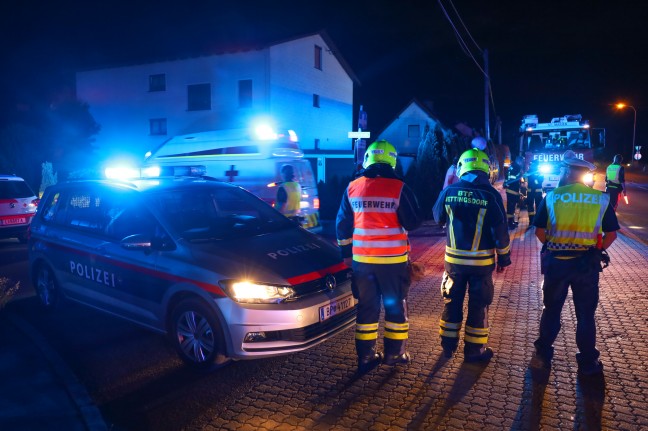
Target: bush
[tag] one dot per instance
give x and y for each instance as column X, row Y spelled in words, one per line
column 7, row 291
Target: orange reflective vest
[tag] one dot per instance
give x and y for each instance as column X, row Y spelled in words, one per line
column 378, row 236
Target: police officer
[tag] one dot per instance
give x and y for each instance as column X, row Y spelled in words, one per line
column 512, row 188
column 575, row 224
column 288, row 194
column 534, row 194
column 615, row 180
column 476, row 233
column 376, row 212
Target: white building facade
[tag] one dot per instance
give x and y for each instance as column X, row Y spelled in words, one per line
column 300, row 84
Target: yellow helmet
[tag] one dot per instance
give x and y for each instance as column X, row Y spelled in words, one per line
column 380, row 152
column 473, row 160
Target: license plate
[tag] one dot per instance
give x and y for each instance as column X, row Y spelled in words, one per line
column 336, row 306
column 15, row 220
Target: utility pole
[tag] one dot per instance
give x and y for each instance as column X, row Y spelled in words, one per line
column 486, row 97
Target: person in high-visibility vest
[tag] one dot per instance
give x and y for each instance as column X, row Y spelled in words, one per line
column 288, row 194
column 376, row 212
column 615, row 180
column 575, row 224
column 477, row 234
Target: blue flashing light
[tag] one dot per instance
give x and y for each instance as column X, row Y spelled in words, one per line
column 151, row 171
column 121, row 172
column 545, row 168
column 265, row 132
column 292, row 136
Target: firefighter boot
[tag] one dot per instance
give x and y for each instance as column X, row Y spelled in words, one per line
column 477, row 353
column 368, row 357
column 395, row 353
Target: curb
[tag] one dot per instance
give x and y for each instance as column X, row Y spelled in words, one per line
column 87, row 410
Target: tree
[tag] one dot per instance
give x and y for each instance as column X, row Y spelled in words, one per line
column 48, row 177
column 62, row 133
column 428, row 173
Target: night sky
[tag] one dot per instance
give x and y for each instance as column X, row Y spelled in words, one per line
column 546, row 58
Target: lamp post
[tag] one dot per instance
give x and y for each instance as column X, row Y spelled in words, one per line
column 634, row 126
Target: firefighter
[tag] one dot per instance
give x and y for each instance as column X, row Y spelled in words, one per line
column 534, row 194
column 615, row 180
column 376, row 211
column 476, row 233
column 512, row 188
column 575, row 224
column 288, row 194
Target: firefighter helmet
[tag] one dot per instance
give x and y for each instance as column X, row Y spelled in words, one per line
column 473, row 160
column 380, row 152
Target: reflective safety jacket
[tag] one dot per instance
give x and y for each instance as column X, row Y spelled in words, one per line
column 475, row 220
column 614, row 176
column 513, row 176
column 575, row 217
column 292, row 200
column 376, row 212
column 535, row 180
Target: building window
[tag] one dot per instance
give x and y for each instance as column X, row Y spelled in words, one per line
column 199, row 97
column 245, row 93
column 316, row 102
column 413, row 131
column 158, row 126
column 157, row 82
column 318, row 57
column 316, row 144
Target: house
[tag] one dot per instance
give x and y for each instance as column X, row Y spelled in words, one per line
column 301, row 84
column 406, row 131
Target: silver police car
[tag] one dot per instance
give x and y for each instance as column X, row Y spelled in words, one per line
column 221, row 272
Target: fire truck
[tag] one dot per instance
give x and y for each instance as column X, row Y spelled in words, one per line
column 547, row 142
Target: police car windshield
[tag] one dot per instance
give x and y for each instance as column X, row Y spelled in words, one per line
column 212, row 214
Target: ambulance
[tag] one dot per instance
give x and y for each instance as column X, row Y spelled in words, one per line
column 250, row 158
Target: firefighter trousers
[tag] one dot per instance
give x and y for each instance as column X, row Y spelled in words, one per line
column 458, row 280
column 512, row 199
column 559, row 275
column 376, row 284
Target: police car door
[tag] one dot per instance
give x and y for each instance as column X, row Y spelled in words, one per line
column 106, row 274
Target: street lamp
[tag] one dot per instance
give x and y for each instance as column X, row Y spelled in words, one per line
column 634, row 127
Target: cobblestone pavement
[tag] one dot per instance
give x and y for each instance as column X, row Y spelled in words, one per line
column 317, row 389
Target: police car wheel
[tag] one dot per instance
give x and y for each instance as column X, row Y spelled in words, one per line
column 46, row 287
column 195, row 333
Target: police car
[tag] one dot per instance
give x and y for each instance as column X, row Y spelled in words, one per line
column 222, row 273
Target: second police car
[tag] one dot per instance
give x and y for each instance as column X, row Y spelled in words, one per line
column 214, row 267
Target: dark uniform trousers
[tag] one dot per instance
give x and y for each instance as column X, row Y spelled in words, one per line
column 613, row 190
column 478, row 282
column 512, row 199
column 373, row 283
column 558, row 276
column 533, row 202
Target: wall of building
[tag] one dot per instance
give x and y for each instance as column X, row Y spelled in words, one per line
column 284, row 80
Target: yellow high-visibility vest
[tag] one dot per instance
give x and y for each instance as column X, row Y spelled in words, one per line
column 575, row 217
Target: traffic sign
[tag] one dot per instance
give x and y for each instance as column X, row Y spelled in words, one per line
column 637, row 156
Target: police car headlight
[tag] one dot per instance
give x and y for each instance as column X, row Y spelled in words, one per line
column 588, row 178
column 255, row 293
